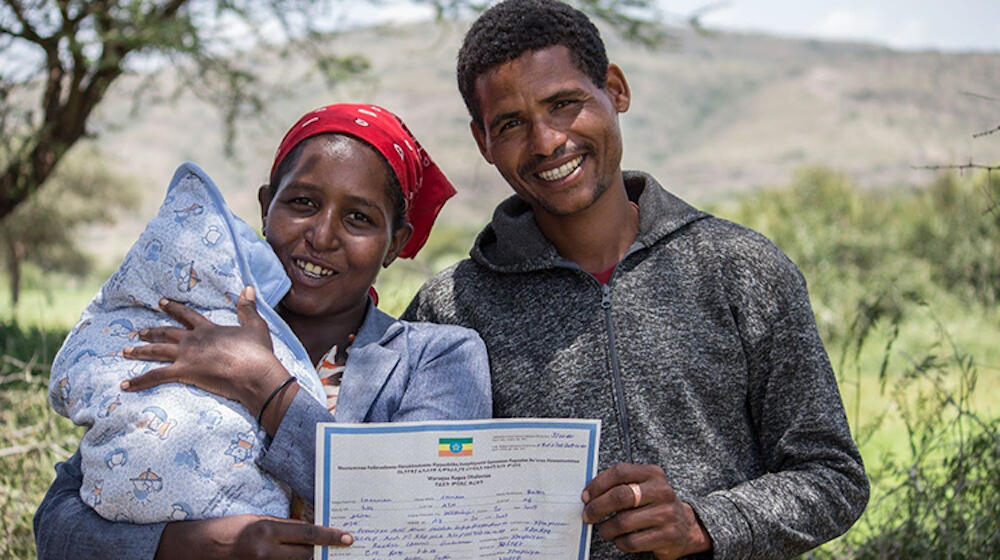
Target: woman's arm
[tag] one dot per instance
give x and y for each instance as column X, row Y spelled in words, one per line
column 291, row 455
column 451, row 380
column 65, row 527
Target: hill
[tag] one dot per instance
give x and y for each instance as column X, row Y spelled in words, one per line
column 711, row 115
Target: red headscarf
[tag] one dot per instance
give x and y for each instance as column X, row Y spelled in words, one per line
column 425, row 187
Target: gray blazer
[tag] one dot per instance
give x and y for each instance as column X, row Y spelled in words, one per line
column 396, row 371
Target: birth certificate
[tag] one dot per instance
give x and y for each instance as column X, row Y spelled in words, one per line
column 461, row 490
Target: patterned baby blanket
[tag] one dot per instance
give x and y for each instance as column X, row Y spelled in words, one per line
column 174, row 452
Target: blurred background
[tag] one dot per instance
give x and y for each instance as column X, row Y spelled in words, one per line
column 863, row 138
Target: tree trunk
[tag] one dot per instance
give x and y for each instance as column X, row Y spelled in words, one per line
column 15, row 253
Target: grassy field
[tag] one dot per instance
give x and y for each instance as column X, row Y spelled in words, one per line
column 905, row 287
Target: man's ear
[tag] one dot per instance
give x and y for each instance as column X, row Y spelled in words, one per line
column 264, row 196
column 617, row 88
column 399, row 240
column 480, row 135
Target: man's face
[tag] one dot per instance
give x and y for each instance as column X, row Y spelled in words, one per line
column 550, row 131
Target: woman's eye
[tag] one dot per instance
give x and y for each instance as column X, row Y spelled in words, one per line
column 302, row 201
column 361, row 217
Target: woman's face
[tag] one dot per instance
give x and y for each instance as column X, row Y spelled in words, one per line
column 329, row 220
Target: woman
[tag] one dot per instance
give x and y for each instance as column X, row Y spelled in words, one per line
column 350, row 190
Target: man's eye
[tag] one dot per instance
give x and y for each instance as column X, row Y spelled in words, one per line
column 508, row 125
column 564, row 103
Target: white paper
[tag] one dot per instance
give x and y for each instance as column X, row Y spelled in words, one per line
column 485, row 489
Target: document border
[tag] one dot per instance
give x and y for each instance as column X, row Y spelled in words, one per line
column 325, row 430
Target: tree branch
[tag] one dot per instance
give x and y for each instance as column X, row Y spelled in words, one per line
column 18, row 34
column 170, row 8
column 979, row 95
column 26, row 27
column 986, row 132
column 970, row 165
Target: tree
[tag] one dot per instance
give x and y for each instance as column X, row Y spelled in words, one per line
column 66, row 54
column 43, row 230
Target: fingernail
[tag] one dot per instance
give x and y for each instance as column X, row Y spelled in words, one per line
column 346, row 539
column 250, row 292
column 585, row 496
column 143, row 332
column 124, row 385
column 127, row 350
column 163, row 302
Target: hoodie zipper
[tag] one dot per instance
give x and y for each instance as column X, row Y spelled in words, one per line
column 616, row 370
column 609, row 328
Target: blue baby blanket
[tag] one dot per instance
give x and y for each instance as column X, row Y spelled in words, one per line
column 175, row 452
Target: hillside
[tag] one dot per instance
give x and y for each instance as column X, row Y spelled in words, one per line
column 711, row 115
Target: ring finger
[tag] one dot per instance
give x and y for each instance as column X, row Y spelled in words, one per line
column 636, row 494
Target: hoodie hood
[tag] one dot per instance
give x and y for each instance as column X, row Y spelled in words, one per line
column 512, row 241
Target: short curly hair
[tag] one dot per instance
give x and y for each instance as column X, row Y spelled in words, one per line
column 513, row 27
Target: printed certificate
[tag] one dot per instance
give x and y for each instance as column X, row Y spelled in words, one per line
column 460, row 490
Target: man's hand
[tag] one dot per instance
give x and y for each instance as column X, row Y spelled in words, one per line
column 635, row 506
column 252, row 537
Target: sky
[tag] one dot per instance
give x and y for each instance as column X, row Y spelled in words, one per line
column 955, row 25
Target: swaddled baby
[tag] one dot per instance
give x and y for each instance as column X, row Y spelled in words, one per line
column 175, row 452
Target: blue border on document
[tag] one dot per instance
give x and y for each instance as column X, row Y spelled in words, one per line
column 454, row 427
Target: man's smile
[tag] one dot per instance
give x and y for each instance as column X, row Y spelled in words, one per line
column 560, row 172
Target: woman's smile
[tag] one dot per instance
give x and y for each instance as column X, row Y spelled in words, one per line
column 312, row 270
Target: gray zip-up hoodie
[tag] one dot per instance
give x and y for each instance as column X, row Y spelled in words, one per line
column 701, row 356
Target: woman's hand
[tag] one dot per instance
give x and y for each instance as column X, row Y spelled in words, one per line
column 236, row 362
column 636, row 508
column 246, row 536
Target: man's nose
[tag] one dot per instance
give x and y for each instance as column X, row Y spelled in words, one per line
column 546, row 139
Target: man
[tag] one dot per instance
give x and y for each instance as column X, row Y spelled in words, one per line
column 601, row 295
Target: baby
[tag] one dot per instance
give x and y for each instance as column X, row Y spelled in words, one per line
column 175, row 452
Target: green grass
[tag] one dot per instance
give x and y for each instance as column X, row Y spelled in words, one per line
column 48, row 300
column 33, row 437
